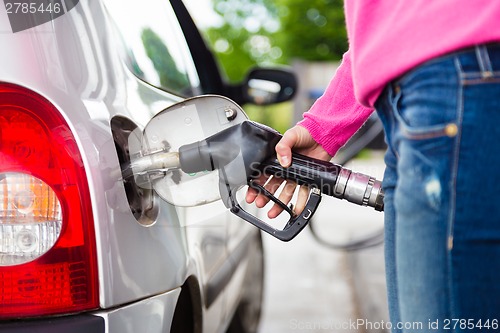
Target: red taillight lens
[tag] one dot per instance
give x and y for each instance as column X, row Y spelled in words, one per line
column 47, row 247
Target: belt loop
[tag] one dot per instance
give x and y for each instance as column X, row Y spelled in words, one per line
column 483, row 59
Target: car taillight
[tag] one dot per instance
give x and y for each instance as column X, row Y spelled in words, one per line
column 48, row 259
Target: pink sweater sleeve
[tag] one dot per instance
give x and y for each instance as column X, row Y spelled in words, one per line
column 336, row 115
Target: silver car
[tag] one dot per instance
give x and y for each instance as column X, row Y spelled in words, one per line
column 83, row 248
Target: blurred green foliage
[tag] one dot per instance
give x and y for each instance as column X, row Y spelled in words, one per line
column 264, row 32
column 312, row 30
column 269, row 32
column 278, row 116
column 245, row 37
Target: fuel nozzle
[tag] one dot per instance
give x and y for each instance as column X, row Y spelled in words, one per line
column 154, row 162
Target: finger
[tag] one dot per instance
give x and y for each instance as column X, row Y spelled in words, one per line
column 285, row 197
column 284, row 147
column 302, row 197
column 253, row 193
column 272, row 186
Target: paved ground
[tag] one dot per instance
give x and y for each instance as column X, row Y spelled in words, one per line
column 313, row 288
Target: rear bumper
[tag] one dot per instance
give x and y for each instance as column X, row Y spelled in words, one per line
column 73, row 324
column 153, row 314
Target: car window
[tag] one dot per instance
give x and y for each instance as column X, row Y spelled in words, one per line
column 154, row 48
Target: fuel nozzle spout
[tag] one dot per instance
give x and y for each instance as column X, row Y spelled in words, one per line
column 147, row 164
column 360, row 189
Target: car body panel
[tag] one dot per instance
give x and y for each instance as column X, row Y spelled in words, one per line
column 153, row 314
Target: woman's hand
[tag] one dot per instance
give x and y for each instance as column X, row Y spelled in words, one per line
column 300, row 140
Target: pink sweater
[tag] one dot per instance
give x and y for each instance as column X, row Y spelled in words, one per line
column 386, row 39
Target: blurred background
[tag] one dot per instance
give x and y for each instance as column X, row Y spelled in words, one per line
column 330, row 278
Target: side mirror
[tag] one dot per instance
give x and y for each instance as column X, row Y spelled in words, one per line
column 265, row 86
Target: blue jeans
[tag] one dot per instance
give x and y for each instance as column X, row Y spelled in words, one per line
column 442, row 218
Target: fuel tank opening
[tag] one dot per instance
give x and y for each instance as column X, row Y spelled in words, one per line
column 142, row 200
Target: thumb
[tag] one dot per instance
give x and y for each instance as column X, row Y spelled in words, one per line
column 285, row 145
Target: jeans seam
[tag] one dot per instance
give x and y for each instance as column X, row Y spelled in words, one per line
column 479, row 80
column 483, row 60
column 393, row 106
column 456, row 150
column 453, row 185
column 476, row 74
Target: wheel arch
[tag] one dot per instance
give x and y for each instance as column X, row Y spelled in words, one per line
column 188, row 314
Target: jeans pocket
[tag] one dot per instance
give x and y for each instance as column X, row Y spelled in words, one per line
column 422, row 112
column 426, row 109
column 426, row 132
